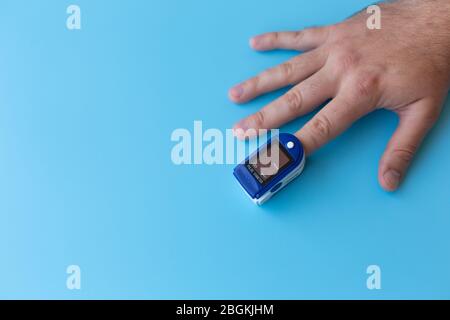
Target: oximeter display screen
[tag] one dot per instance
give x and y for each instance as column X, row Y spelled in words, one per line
column 268, row 162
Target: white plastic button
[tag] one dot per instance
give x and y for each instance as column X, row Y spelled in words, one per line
column 290, row 145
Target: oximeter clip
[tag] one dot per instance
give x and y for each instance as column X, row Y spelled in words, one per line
column 270, row 168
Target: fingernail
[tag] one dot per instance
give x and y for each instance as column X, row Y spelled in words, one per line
column 237, row 91
column 254, row 42
column 392, row 177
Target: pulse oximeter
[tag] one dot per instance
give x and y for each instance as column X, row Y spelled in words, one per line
column 270, row 168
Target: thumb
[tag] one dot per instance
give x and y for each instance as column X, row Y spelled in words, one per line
column 415, row 122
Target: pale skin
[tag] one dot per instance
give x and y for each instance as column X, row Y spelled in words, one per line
column 403, row 67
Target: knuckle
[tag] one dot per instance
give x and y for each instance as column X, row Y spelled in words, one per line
column 321, row 31
column 365, row 84
column 294, row 101
column 257, row 119
column 268, row 74
column 405, row 154
column 331, row 32
column 272, row 38
column 287, row 70
column 321, row 127
column 298, row 36
column 254, row 82
column 337, row 32
column 344, row 59
column 349, row 60
column 312, row 87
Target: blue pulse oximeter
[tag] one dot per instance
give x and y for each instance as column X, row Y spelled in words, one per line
column 271, row 167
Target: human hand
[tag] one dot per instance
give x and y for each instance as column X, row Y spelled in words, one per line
column 403, row 67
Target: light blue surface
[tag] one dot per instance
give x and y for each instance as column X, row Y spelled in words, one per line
column 86, row 176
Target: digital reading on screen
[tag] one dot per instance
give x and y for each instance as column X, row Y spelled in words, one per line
column 272, row 155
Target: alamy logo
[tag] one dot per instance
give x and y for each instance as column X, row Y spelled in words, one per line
column 214, row 147
column 374, row 279
column 374, row 21
column 73, row 281
column 73, row 21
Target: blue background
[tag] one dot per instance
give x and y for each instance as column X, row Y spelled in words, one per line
column 86, row 176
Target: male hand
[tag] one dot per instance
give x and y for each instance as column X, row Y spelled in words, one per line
column 403, row 67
